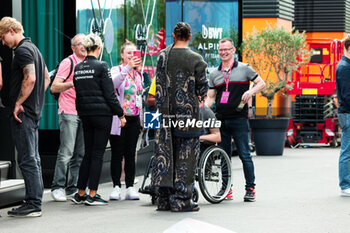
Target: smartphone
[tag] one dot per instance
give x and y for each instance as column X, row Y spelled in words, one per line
column 137, row 53
column 240, row 106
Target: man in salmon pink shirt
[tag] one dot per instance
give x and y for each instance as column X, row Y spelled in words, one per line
column 71, row 151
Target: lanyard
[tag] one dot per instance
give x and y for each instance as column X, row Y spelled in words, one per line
column 227, row 80
column 133, row 76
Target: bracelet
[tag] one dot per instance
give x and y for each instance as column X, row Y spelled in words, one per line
column 250, row 107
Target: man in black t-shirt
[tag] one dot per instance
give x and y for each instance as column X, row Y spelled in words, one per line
column 28, row 83
column 0, row 74
column 1, row 105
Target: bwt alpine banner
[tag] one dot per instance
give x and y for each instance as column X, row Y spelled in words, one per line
column 210, row 22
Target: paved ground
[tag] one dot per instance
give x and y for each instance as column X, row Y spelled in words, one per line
column 296, row 193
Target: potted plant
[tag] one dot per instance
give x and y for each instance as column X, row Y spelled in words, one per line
column 274, row 54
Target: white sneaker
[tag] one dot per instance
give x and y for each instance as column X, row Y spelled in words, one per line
column 345, row 192
column 58, row 194
column 131, row 194
column 115, row 194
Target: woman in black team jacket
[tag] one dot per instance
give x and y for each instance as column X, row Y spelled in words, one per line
column 96, row 104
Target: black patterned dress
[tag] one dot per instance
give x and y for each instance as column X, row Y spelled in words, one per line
column 181, row 81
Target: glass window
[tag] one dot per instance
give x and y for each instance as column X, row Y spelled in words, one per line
column 90, row 21
column 127, row 16
column 210, row 21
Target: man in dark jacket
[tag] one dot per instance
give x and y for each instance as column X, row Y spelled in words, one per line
column 343, row 92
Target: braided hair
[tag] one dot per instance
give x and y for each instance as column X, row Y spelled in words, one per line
column 182, row 31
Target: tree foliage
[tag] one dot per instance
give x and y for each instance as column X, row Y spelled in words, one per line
column 275, row 50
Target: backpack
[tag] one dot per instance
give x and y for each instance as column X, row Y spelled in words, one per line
column 53, row 74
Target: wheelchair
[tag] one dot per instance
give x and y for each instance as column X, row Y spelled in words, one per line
column 213, row 175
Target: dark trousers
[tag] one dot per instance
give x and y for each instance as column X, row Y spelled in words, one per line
column 238, row 129
column 96, row 133
column 124, row 146
column 185, row 154
column 25, row 137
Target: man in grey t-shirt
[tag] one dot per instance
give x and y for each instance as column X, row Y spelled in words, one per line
column 229, row 88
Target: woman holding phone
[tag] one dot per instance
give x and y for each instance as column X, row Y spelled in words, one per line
column 127, row 81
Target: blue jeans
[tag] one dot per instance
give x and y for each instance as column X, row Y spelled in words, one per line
column 344, row 159
column 239, row 129
column 25, row 137
column 70, row 153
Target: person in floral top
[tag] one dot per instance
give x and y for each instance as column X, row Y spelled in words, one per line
column 127, row 81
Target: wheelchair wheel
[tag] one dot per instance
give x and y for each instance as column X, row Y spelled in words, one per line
column 146, row 186
column 214, row 174
column 195, row 195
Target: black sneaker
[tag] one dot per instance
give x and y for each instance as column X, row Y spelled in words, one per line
column 249, row 195
column 77, row 199
column 96, row 200
column 24, row 211
column 220, row 193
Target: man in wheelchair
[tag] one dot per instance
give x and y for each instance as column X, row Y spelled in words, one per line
column 211, row 137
